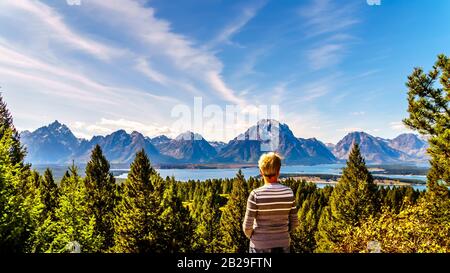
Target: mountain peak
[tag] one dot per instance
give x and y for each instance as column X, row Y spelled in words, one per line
column 410, row 143
column 50, row 144
column 161, row 137
column 119, row 132
column 407, row 135
column 56, row 124
column 188, row 135
column 57, row 127
column 268, row 121
column 353, row 133
column 375, row 150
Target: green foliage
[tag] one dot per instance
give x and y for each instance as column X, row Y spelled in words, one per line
column 13, row 211
column 353, row 200
column 303, row 240
column 208, row 219
column 49, row 193
column 73, row 222
column 136, row 218
column 397, row 197
column 423, row 227
column 176, row 230
column 101, row 191
column 149, row 214
column 232, row 239
column 429, row 114
column 16, row 151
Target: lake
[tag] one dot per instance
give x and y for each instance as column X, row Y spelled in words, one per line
column 203, row 174
column 401, row 172
column 326, row 169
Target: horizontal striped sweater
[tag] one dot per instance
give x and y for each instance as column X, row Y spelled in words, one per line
column 271, row 214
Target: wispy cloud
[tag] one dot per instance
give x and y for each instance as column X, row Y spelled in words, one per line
column 249, row 63
column 327, row 16
column 225, row 35
column 398, row 126
column 310, row 91
column 329, row 23
column 325, row 55
column 62, row 81
column 57, row 30
column 347, row 130
column 107, row 126
column 145, row 68
column 309, row 123
column 193, row 61
column 358, row 113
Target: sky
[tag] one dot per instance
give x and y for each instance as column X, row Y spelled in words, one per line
column 331, row 67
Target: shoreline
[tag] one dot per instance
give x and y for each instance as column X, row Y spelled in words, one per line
column 378, row 182
column 316, row 175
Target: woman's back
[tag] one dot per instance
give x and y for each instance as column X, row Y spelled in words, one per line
column 271, row 214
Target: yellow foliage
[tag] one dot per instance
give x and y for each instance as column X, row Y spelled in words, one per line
column 420, row 228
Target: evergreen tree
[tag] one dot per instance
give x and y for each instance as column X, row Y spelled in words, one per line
column 429, row 114
column 49, row 192
column 136, row 220
column 23, row 206
column 303, row 240
column 207, row 230
column 176, row 231
column 353, row 200
column 197, row 203
column 65, row 177
column 13, row 211
column 74, row 223
column 232, row 238
column 418, row 228
column 33, row 192
column 303, row 237
column 17, row 152
column 101, row 191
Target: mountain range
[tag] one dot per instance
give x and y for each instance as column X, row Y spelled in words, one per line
column 56, row 144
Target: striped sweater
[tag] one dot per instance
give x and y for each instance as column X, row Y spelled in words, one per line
column 271, row 214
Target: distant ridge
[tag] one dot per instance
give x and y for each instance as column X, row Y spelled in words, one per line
column 379, row 150
column 56, row 144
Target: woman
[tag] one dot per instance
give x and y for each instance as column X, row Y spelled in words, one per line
column 271, row 212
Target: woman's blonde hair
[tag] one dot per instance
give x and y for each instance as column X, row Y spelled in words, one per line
column 269, row 164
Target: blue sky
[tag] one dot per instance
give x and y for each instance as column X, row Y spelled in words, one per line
column 332, row 66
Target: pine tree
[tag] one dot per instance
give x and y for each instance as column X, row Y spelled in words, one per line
column 17, row 207
column 429, row 114
column 101, row 191
column 232, row 238
column 13, row 212
column 303, row 237
column 176, row 230
column 73, row 221
column 207, row 230
column 198, row 199
column 33, row 191
column 65, row 177
column 303, row 240
column 49, row 192
column 136, row 220
column 354, row 199
column 17, row 152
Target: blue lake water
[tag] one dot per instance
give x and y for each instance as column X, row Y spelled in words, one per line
column 204, row 174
